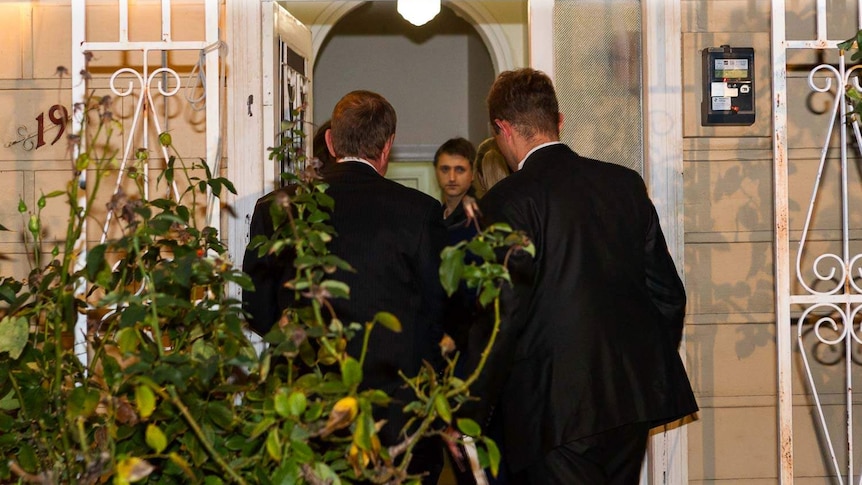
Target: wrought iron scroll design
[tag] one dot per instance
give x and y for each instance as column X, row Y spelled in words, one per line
column 832, row 301
column 140, row 118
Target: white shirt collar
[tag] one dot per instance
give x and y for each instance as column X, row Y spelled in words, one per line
column 357, row 159
column 543, row 145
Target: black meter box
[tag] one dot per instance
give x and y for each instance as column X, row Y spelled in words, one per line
column 728, row 86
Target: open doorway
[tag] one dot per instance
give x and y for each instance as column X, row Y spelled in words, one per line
column 436, row 76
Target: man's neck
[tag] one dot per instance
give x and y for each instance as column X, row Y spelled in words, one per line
column 375, row 164
column 523, row 146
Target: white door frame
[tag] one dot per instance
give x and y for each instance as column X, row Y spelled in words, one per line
column 668, row 455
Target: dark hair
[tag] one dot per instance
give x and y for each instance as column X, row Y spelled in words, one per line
column 318, row 145
column 456, row 146
column 362, row 123
column 526, row 99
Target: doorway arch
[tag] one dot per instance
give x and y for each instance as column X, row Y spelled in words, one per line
column 478, row 15
column 436, row 77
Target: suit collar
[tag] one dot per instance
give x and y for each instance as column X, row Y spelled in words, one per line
column 535, row 149
column 358, row 160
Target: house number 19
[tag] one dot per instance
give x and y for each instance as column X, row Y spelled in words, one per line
column 57, row 116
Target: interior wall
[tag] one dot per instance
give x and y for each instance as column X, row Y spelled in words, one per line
column 431, row 74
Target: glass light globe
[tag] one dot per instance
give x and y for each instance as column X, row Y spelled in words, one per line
column 418, row 12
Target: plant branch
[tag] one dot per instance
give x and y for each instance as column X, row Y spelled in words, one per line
column 176, row 401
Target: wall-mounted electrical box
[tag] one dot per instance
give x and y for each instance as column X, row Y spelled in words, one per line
column 728, row 86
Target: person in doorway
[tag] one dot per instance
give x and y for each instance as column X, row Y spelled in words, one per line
column 454, row 170
column 489, row 167
column 392, row 236
column 586, row 361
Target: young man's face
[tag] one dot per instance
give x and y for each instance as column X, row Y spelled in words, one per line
column 454, row 175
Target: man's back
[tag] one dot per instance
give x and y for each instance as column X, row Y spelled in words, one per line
column 392, row 236
column 597, row 314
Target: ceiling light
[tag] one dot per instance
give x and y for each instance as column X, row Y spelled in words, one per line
column 418, row 12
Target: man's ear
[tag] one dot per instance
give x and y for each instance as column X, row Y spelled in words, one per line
column 384, row 155
column 560, row 124
column 507, row 129
column 328, row 137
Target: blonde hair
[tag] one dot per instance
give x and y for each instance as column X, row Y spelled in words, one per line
column 489, row 167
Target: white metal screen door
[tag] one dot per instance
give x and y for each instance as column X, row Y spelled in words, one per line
column 816, row 143
column 136, row 78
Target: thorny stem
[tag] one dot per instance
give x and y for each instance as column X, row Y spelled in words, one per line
column 176, row 401
column 188, row 176
column 484, row 357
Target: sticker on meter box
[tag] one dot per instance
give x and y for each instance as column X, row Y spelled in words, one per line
column 721, row 103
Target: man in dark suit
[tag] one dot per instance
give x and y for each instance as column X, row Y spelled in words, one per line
column 392, row 236
column 586, row 361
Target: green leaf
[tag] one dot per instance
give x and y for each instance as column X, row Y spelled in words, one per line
column 441, row 404
column 314, row 412
column 469, row 427
column 281, row 403
column 351, row 372
column 483, row 249
column 451, row 269
column 301, row 451
column 27, row 457
column 376, row 396
column 364, row 431
column 489, row 292
column 326, row 474
column 219, row 413
column 6, row 423
column 241, row 279
column 155, row 438
column 337, row 289
column 493, row 455
column 273, row 445
column 215, row 185
column 297, row 402
column 13, row 336
column 132, row 315
column 262, row 427
column 183, row 213
column 213, row 480
column 307, row 381
column 388, row 320
column 227, row 183
column 127, row 339
column 145, row 400
column 81, row 403
column 317, row 216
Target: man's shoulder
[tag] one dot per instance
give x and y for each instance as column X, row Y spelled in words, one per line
column 551, row 156
column 266, row 199
column 409, row 194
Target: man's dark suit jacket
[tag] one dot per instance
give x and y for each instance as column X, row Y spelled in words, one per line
column 392, row 236
column 590, row 331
